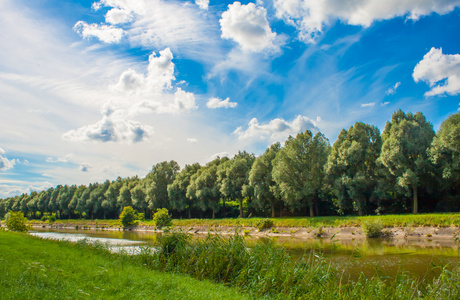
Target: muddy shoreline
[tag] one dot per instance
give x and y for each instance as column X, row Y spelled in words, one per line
column 424, row 233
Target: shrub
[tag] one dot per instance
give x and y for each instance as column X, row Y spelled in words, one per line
column 264, row 224
column 128, row 217
column 162, row 218
column 15, row 221
column 372, row 228
column 51, row 218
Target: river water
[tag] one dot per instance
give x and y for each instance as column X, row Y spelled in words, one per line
column 421, row 258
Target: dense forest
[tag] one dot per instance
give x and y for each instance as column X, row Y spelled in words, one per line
column 407, row 168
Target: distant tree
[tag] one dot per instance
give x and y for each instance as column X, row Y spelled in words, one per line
column 177, row 191
column 406, row 140
column 158, row 179
column 128, row 217
column 445, row 153
column 15, row 221
column 124, row 197
column 265, row 189
column 236, row 177
column 298, row 169
column 352, row 165
column 138, row 197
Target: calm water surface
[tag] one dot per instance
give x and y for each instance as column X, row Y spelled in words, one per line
column 420, row 258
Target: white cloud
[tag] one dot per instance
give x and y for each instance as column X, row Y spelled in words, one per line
column 248, row 26
column 440, row 71
column 192, row 140
column 84, row 167
column 384, row 103
column 105, row 33
column 392, row 90
column 311, row 16
column 157, row 24
column 202, row 4
column 370, row 104
column 111, row 129
column 218, row 155
column 18, row 188
column 5, row 163
column 59, row 159
column 276, row 130
column 118, row 16
column 219, row 103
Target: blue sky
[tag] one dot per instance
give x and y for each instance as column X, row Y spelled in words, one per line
column 92, row 90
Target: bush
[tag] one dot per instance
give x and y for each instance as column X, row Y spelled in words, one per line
column 372, row 228
column 264, row 224
column 161, row 218
column 51, row 218
column 128, row 217
column 15, row 221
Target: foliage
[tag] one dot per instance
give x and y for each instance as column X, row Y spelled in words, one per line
column 15, row 221
column 264, row 224
column 50, row 218
column 372, row 228
column 298, row 169
column 162, row 218
column 128, row 217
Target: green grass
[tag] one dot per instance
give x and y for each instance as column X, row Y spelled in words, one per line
column 32, row 268
column 406, row 220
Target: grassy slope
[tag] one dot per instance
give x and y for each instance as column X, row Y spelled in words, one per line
column 40, row 269
column 409, row 220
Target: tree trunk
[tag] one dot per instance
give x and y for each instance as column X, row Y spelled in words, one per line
column 241, row 208
column 213, row 214
column 415, row 211
column 189, row 212
column 312, row 209
column 273, row 210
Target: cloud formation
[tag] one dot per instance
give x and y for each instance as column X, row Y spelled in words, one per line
column 84, row 167
column 311, row 16
column 110, row 129
column 370, row 104
column 105, row 33
column 5, row 163
column 248, row 26
column 276, row 130
column 214, row 103
column 202, row 4
column 392, row 90
column 440, row 71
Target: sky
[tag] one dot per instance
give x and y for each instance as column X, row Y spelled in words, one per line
column 93, row 90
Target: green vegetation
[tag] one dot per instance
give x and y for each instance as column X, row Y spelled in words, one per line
column 162, row 218
column 40, row 269
column 407, row 168
column 269, row 271
column 264, row 224
column 128, row 217
column 15, row 221
column 372, row 228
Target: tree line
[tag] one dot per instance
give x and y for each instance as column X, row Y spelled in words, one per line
column 406, row 168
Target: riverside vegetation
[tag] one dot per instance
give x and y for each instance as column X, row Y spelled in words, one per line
column 47, row 269
column 407, row 168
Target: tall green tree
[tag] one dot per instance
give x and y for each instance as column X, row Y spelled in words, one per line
column 158, row 179
column 265, row 189
column 445, row 153
column 298, row 169
column 235, row 176
column 406, row 140
column 177, row 191
column 352, row 165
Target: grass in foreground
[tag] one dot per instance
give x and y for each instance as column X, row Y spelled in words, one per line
column 40, row 269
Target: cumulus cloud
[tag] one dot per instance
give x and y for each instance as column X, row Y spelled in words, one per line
column 370, row 104
column 84, row 167
column 248, row 26
column 59, row 159
column 5, row 163
column 111, row 129
column 440, row 71
column 203, row 4
column 219, row 103
column 276, row 130
column 153, row 92
column 392, row 90
column 118, row 16
column 311, row 16
column 105, row 33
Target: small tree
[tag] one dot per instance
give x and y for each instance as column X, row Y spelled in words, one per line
column 15, row 221
column 162, row 218
column 128, row 217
